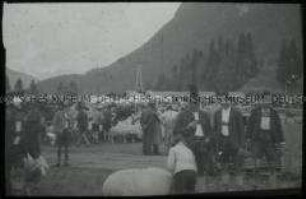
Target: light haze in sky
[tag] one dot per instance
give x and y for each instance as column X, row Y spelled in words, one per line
column 46, row 40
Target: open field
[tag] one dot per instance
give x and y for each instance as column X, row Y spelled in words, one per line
column 90, row 166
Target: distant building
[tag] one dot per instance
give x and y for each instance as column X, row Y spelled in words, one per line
column 236, row 94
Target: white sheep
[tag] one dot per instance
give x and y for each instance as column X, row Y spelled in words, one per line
column 138, row 182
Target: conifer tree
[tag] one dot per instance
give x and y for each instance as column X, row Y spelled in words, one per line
column 18, row 88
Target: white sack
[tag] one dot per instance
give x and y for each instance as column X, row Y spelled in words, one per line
column 138, row 182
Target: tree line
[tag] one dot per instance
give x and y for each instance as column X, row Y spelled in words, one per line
column 19, row 89
column 290, row 64
column 228, row 65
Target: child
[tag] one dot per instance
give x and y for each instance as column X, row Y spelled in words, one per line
column 181, row 162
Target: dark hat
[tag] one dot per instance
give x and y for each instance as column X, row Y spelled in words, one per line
column 151, row 104
column 194, row 93
column 193, row 89
column 222, row 93
column 80, row 105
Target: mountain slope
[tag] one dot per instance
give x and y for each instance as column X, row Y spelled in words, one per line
column 264, row 81
column 14, row 75
column 193, row 27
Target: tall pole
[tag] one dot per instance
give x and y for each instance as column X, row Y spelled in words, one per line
column 138, row 82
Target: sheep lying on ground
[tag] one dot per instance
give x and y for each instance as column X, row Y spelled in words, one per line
column 138, row 182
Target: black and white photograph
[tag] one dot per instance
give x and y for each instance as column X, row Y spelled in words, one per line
column 152, row 98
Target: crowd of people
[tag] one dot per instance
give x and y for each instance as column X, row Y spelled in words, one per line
column 196, row 142
column 30, row 124
column 209, row 148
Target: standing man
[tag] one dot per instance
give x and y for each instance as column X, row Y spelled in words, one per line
column 265, row 134
column 33, row 129
column 196, row 125
column 168, row 118
column 72, row 113
column 229, row 129
column 97, row 124
column 13, row 148
column 82, row 119
column 107, row 123
column 61, row 129
column 150, row 124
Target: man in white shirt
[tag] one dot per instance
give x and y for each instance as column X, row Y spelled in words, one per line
column 168, row 119
column 182, row 164
column 229, row 129
column 196, row 124
column 265, row 133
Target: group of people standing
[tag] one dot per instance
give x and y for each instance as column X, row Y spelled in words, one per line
column 67, row 125
column 26, row 127
column 201, row 147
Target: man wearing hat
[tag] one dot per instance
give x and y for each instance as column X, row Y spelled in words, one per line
column 195, row 124
column 151, row 126
column 265, row 133
column 229, row 130
column 13, row 132
column 33, row 128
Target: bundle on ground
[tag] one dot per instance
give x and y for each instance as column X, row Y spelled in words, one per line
column 138, row 182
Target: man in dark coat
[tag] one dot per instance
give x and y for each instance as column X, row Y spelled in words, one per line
column 195, row 124
column 33, row 130
column 9, row 138
column 229, row 131
column 151, row 128
column 14, row 130
column 265, row 133
column 11, row 157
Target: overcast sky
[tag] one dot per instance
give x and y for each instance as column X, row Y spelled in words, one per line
column 45, row 40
